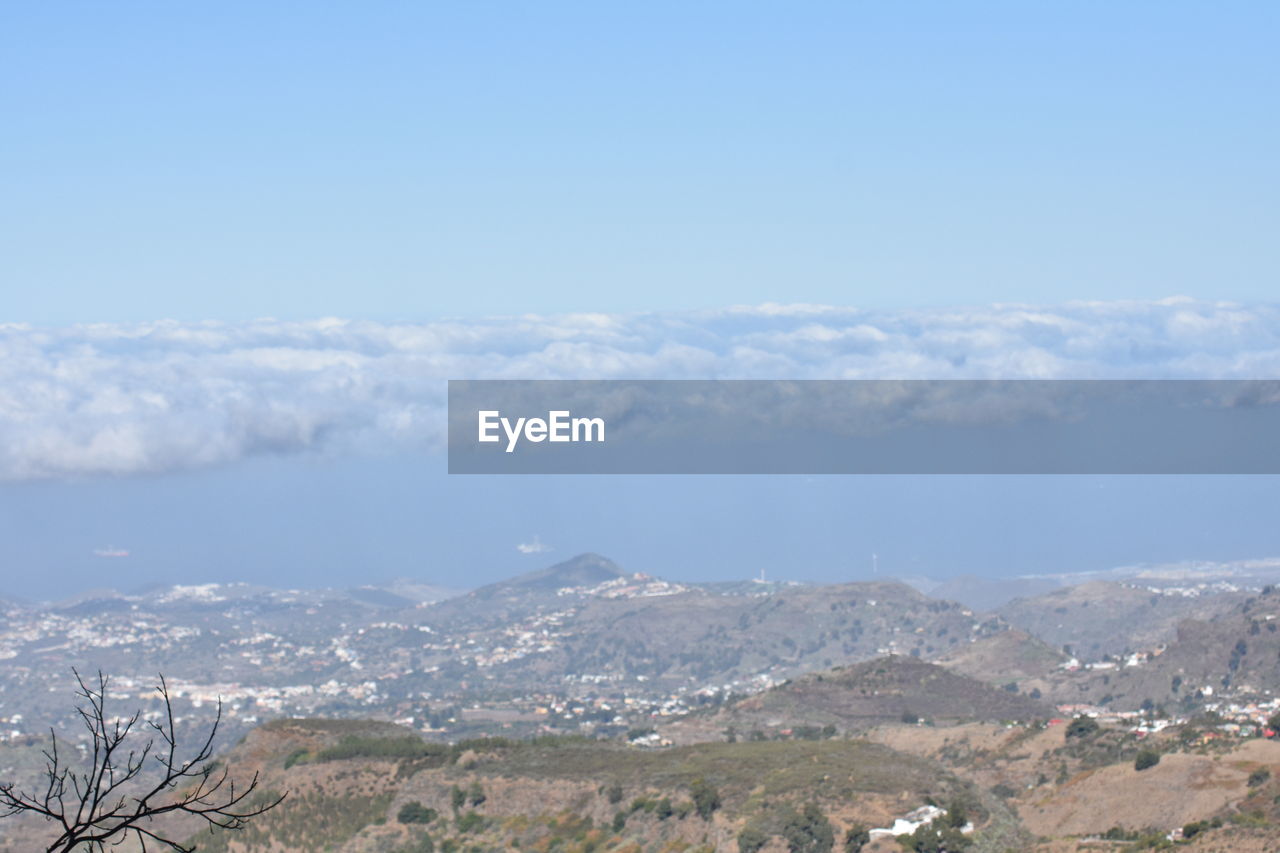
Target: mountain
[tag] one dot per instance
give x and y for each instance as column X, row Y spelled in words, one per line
column 1106, row 618
column 674, row 637
column 584, row 646
column 584, row 570
column 587, row 621
column 1233, row 652
column 582, row 629
column 570, row 663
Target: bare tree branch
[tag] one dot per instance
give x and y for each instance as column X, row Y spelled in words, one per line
column 131, row 782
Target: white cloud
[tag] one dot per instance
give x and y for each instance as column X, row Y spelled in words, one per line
column 537, row 546
column 114, row 399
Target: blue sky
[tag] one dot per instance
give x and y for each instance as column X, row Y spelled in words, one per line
column 432, row 173
column 409, row 161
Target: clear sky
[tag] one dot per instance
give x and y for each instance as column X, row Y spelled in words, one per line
column 420, row 169
column 416, row 160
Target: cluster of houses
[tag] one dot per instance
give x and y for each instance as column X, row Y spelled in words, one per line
column 1236, row 719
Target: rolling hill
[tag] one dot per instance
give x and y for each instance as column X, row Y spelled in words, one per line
column 855, row 698
column 1106, row 618
column 1006, row 657
column 364, row 787
column 1238, row 650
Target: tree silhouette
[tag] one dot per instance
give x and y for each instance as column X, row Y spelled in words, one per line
column 133, row 776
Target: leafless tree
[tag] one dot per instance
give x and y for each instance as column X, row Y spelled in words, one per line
column 133, row 776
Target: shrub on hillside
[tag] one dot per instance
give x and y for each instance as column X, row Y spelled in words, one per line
column 856, row 838
column 298, row 756
column 706, row 799
column 416, row 812
column 1194, row 828
column 808, row 831
column 931, row 838
column 751, row 840
column 957, row 814
column 1145, row 759
column 1082, row 727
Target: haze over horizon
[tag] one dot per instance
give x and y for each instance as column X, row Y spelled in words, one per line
column 975, row 585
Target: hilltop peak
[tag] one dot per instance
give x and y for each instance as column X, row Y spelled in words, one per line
column 583, row 570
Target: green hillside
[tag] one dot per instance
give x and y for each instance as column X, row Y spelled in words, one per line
column 376, row 789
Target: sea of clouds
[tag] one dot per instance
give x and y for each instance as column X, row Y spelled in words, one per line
column 124, row 399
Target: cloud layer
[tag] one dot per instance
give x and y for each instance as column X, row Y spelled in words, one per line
column 107, row 399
